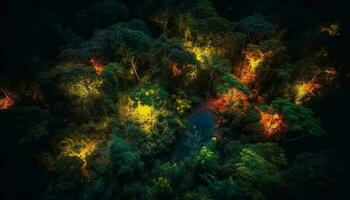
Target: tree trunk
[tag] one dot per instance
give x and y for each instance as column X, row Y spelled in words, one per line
column 134, row 67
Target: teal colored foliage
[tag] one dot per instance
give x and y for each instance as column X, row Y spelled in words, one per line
column 150, row 94
column 299, row 118
column 125, row 161
column 231, row 81
column 257, row 25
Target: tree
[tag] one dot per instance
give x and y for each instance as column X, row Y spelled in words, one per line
column 300, row 120
column 131, row 42
column 161, row 19
column 176, row 173
column 164, row 135
column 316, row 176
column 256, row 175
column 137, row 25
column 255, row 168
column 125, row 161
column 196, row 195
column 217, row 68
column 76, row 81
column 98, row 189
column 206, row 164
column 110, row 83
column 160, row 189
column 167, row 54
column 79, row 92
column 134, row 190
column 212, row 36
column 132, row 46
column 231, row 81
column 225, row 190
column 150, row 94
column 66, row 172
column 256, row 27
column 181, row 103
column 204, row 9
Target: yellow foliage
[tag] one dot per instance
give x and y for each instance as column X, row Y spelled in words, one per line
column 78, row 146
column 182, row 105
column 83, row 89
column 255, row 60
column 202, row 53
column 331, row 29
column 272, row 124
column 305, row 89
column 145, row 115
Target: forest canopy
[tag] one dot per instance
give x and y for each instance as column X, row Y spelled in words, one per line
column 169, row 99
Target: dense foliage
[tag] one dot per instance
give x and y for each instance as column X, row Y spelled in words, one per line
column 168, row 99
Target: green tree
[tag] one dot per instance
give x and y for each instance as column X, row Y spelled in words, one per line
column 301, row 121
column 125, row 161
column 133, row 47
column 231, row 81
column 216, row 68
column 316, row 176
column 150, row 94
column 160, row 189
column 256, row 27
column 256, row 168
column 224, row 190
column 176, row 173
column 256, row 175
column 161, row 19
column 206, row 164
column 204, row 9
column 110, row 83
column 167, row 54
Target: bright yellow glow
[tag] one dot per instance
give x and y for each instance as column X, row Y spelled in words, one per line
column 145, row 115
column 149, row 91
column 202, row 53
column 255, row 60
column 84, row 89
column 251, row 64
column 248, row 74
column 182, row 105
column 305, row 89
column 272, row 124
column 80, row 147
column 331, row 29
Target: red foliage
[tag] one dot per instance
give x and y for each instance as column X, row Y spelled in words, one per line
column 7, row 101
column 231, row 101
column 174, row 69
column 97, row 65
column 272, row 123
